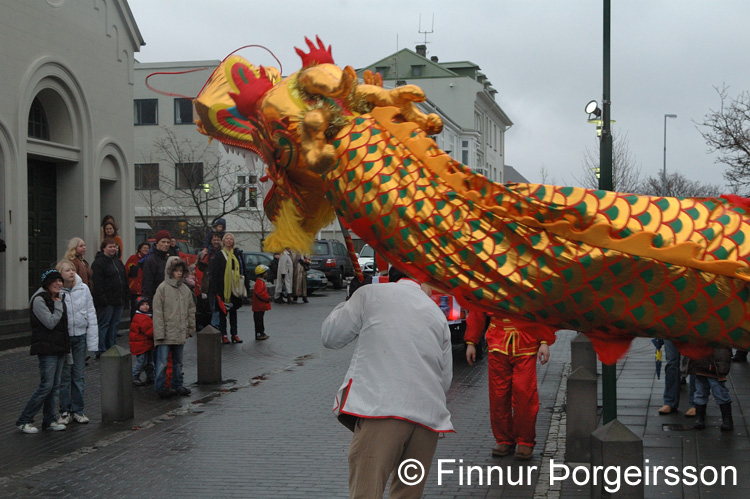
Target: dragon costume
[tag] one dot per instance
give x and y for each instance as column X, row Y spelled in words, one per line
column 613, row 266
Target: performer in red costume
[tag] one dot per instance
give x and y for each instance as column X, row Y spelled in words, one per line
column 513, row 347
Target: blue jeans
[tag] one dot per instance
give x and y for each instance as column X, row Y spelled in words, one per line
column 144, row 362
column 109, row 320
column 50, row 369
column 671, row 375
column 705, row 385
column 162, row 352
column 215, row 313
column 71, row 382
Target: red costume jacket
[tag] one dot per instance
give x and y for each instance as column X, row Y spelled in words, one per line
column 141, row 334
column 261, row 299
column 134, row 283
column 508, row 335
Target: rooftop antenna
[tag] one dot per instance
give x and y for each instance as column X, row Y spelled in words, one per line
column 432, row 28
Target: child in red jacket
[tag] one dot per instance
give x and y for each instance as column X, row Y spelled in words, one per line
column 261, row 302
column 142, row 343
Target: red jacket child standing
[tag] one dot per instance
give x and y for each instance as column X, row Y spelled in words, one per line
column 514, row 346
column 261, row 302
column 142, row 343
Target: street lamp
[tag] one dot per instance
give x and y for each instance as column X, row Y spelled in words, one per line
column 664, row 170
column 206, row 188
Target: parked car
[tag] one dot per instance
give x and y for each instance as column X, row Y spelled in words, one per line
column 366, row 260
column 456, row 316
column 330, row 257
column 316, row 280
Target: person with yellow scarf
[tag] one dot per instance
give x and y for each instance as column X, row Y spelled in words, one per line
column 226, row 270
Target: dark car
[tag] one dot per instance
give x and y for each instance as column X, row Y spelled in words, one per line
column 330, row 257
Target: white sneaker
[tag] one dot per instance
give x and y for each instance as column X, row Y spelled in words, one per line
column 28, row 428
column 64, row 418
column 55, row 426
column 80, row 418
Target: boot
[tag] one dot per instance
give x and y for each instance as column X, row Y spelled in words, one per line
column 295, row 299
column 726, row 417
column 224, row 340
column 289, row 300
column 304, row 299
column 700, row 416
column 740, row 356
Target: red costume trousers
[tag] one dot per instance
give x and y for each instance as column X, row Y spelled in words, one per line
column 514, row 400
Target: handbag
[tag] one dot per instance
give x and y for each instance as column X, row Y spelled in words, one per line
column 238, row 289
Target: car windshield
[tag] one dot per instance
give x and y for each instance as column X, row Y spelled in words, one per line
column 367, row 252
column 320, row 249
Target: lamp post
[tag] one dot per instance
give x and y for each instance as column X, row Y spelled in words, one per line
column 664, row 170
column 206, row 188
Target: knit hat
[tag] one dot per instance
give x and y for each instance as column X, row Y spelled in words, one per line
column 49, row 276
column 219, row 221
column 143, row 300
column 162, row 234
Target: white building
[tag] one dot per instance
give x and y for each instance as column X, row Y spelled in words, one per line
column 66, row 133
column 183, row 182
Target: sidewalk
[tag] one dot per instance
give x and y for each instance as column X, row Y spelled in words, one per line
column 268, row 432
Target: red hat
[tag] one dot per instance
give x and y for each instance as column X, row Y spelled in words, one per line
column 162, row 234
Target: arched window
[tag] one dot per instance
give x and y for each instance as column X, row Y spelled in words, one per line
column 38, row 125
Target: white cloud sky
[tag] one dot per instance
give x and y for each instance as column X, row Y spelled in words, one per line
column 543, row 56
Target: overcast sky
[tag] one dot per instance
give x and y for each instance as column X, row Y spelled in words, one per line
column 544, row 57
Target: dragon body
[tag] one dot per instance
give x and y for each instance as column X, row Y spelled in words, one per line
column 611, row 265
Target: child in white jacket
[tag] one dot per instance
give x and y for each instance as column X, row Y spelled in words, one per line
column 84, row 333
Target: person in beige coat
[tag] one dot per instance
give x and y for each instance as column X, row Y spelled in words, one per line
column 174, row 323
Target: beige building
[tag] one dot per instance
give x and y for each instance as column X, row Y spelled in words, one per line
column 66, row 133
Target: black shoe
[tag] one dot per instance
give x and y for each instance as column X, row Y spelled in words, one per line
column 727, row 424
column 137, row 382
column 739, row 356
column 304, row 299
column 183, row 391
column 165, row 394
column 279, row 300
column 261, row 337
column 700, row 417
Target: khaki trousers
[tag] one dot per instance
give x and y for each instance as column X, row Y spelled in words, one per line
column 377, row 449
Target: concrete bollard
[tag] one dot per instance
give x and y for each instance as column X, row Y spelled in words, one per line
column 209, row 356
column 580, row 415
column 116, row 374
column 615, row 445
column 582, row 354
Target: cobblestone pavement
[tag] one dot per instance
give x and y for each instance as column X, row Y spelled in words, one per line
column 268, row 430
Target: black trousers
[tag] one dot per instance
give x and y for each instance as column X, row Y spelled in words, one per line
column 260, row 328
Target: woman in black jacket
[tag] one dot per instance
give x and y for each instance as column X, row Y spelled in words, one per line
column 50, row 342
column 226, row 274
column 110, row 293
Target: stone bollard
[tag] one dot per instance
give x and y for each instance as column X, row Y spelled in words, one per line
column 582, row 354
column 209, row 356
column 116, row 384
column 615, row 445
column 580, row 415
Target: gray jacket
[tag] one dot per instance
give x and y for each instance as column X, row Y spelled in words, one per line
column 174, row 307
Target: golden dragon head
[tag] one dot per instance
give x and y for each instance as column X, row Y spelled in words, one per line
column 290, row 124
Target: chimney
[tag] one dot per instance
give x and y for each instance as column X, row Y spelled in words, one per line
column 422, row 50
column 434, row 59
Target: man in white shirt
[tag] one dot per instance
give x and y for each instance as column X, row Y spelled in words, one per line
column 393, row 396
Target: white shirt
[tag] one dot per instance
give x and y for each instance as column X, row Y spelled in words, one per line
column 402, row 365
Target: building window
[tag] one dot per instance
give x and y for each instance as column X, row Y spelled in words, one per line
column 383, row 70
column 188, row 176
column 147, row 176
column 146, row 111
column 247, row 191
column 417, row 70
column 183, row 111
column 465, row 152
column 38, row 125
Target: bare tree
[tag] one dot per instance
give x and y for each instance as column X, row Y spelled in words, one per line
column 679, row 186
column 727, row 132
column 626, row 174
column 545, row 176
column 201, row 187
